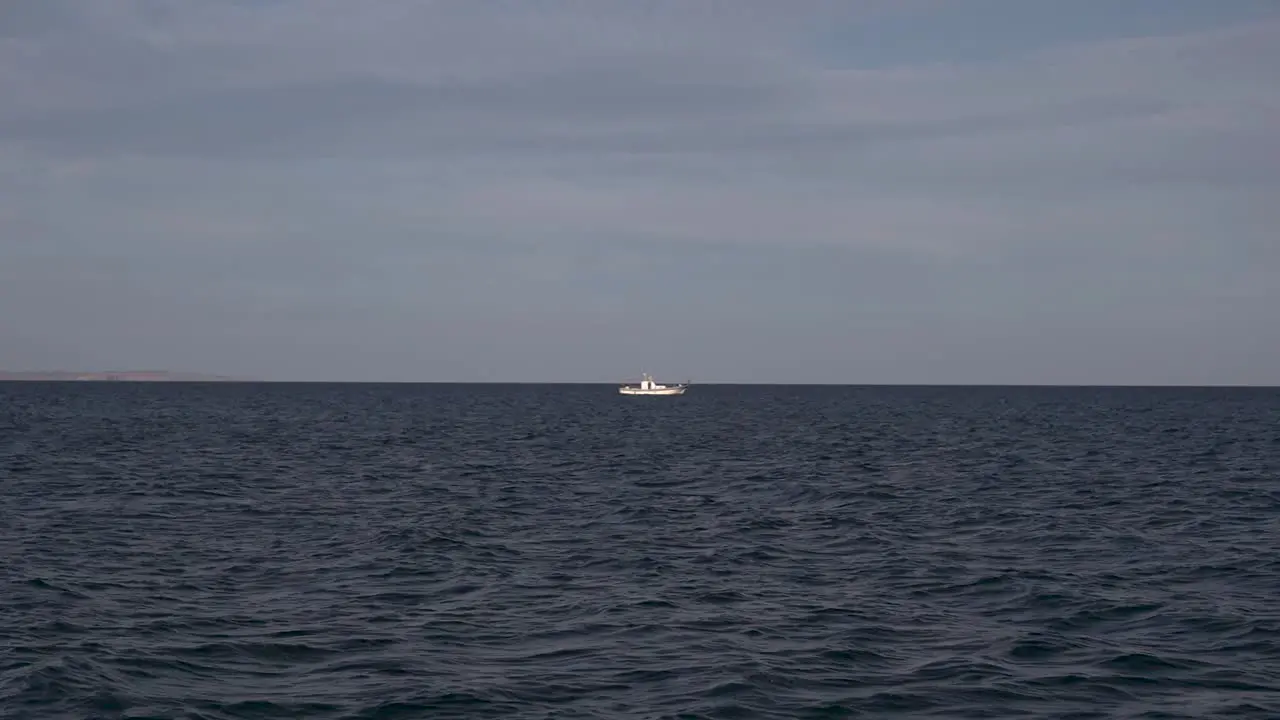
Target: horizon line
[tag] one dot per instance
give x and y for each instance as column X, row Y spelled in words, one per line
column 224, row 380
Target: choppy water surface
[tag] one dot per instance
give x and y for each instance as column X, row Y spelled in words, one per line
column 273, row 551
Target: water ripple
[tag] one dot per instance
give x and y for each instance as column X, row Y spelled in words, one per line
column 281, row 551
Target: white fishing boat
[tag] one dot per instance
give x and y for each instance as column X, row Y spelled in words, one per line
column 648, row 387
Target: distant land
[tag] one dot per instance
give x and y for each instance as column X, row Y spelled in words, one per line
column 110, row 376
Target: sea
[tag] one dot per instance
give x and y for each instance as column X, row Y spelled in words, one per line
column 228, row 550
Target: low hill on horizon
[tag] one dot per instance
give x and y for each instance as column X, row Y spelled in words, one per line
column 111, row 375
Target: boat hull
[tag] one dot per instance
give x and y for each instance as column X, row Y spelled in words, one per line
column 645, row 391
column 648, row 387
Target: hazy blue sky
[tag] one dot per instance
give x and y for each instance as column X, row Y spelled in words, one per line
column 937, row 191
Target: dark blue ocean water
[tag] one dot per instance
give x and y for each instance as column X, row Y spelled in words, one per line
column 363, row 551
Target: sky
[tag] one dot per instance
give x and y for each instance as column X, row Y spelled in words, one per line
column 809, row 191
